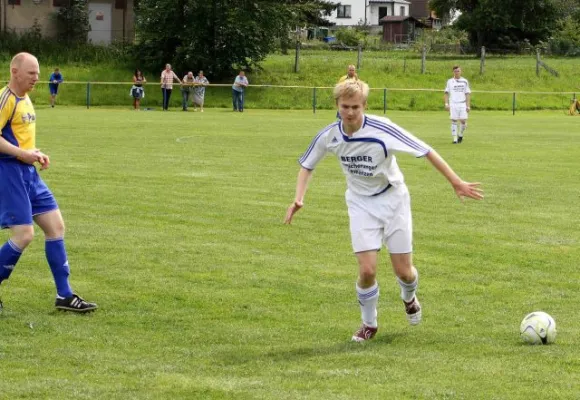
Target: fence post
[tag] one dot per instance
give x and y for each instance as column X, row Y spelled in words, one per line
column 482, row 64
column 514, row 104
column 423, row 59
column 537, row 62
column 359, row 56
column 313, row 100
column 88, row 94
column 297, row 59
column 384, row 100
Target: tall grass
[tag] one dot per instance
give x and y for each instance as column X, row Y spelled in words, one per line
column 392, row 70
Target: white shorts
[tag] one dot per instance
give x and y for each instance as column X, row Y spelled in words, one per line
column 458, row 111
column 385, row 218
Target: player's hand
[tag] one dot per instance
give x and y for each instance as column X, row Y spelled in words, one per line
column 43, row 160
column 468, row 109
column 467, row 189
column 29, row 156
column 293, row 209
column 447, row 107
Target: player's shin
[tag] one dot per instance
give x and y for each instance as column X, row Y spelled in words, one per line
column 57, row 259
column 368, row 299
column 9, row 256
column 454, row 131
column 408, row 289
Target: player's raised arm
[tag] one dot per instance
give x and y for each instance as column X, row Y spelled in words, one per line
column 301, row 186
column 462, row 188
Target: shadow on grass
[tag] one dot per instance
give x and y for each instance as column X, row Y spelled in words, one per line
column 308, row 352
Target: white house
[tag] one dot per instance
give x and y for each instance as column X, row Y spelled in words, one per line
column 368, row 12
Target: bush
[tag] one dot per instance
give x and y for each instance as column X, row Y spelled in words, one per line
column 350, row 36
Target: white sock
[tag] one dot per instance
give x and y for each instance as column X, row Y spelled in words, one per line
column 454, row 131
column 368, row 299
column 408, row 290
column 463, row 127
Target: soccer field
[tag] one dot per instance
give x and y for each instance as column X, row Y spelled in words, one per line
column 174, row 227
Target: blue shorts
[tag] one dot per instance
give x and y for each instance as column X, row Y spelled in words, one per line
column 23, row 194
column 53, row 87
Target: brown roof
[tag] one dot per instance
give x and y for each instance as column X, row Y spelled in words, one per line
column 388, row 19
column 396, row 19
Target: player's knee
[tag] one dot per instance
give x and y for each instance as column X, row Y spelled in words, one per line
column 406, row 275
column 23, row 237
column 57, row 229
column 367, row 272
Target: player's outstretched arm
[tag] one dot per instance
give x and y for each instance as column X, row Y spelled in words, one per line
column 301, row 186
column 462, row 189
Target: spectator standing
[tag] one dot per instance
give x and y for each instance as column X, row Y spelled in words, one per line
column 55, row 79
column 137, row 90
column 167, row 79
column 187, row 89
column 238, row 87
column 199, row 91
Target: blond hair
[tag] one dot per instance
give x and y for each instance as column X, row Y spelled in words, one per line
column 350, row 88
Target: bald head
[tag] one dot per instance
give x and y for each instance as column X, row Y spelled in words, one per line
column 21, row 58
column 24, row 71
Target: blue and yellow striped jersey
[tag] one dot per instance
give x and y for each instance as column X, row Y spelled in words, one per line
column 17, row 119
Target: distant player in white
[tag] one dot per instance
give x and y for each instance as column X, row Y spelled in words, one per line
column 458, row 102
column 378, row 201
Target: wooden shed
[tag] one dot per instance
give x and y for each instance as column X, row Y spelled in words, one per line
column 400, row 29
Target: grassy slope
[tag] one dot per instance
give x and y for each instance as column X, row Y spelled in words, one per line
column 391, row 70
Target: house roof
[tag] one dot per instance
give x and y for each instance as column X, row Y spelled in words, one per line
column 390, row 1
column 388, row 19
column 397, row 18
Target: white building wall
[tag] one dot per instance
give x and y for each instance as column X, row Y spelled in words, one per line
column 357, row 12
column 374, row 11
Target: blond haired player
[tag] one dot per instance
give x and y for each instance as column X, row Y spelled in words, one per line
column 458, row 102
column 377, row 198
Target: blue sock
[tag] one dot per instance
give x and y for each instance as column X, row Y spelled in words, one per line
column 57, row 259
column 9, row 256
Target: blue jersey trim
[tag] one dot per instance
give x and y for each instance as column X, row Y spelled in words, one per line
column 368, row 140
column 397, row 135
column 313, row 143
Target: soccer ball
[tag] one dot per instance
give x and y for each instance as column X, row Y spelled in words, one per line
column 538, row 328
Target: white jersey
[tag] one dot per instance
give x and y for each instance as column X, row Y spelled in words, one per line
column 457, row 89
column 367, row 158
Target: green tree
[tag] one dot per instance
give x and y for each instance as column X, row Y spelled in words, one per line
column 218, row 36
column 500, row 23
column 72, row 23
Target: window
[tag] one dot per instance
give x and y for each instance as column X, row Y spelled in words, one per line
column 402, row 12
column 14, row 2
column 343, row 12
column 59, row 3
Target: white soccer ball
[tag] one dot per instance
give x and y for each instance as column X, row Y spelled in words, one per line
column 538, row 328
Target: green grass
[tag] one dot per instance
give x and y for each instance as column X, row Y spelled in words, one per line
column 392, row 70
column 174, row 228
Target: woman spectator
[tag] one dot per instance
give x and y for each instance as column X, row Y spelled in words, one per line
column 137, row 90
column 199, row 92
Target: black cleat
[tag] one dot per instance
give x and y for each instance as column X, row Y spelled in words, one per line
column 74, row 303
column 460, row 139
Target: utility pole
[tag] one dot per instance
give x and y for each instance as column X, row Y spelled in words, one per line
column 366, row 6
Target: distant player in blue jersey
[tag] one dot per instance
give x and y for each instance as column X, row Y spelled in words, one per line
column 24, row 197
column 379, row 206
column 54, row 80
